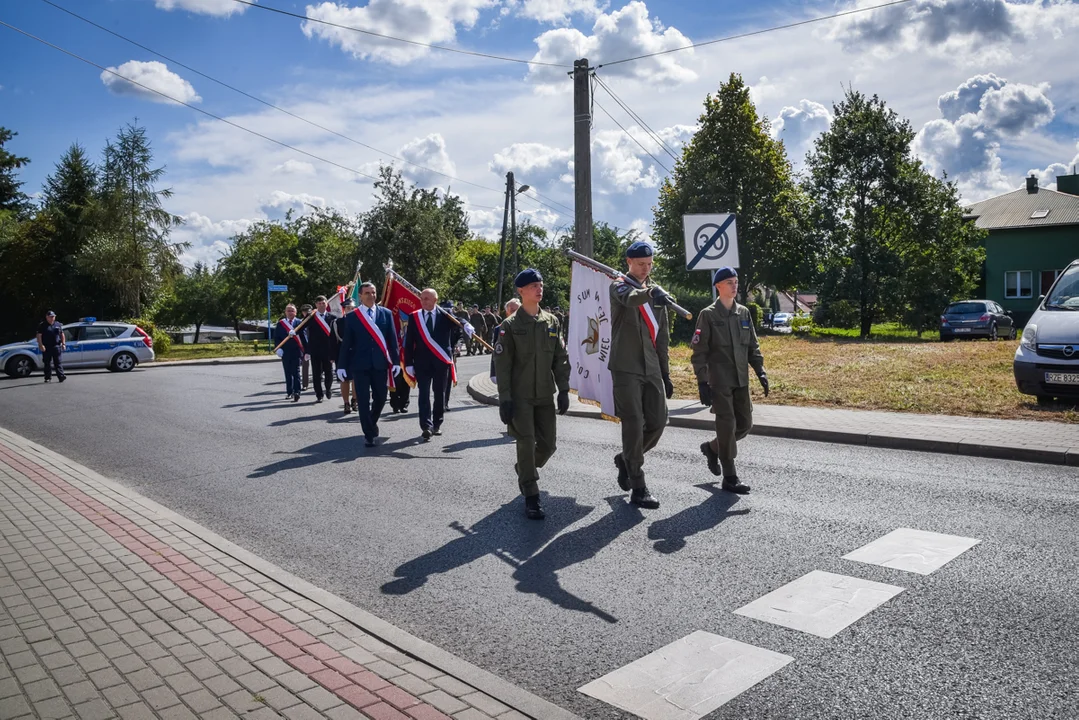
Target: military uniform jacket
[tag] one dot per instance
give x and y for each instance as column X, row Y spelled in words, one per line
column 531, row 361
column 725, row 346
column 631, row 341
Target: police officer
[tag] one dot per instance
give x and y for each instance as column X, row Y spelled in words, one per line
column 724, row 348
column 291, row 353
column 639, row 369
column 531, row 362
column 50, row 341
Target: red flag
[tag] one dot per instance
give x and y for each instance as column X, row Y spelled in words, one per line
column 402, row 302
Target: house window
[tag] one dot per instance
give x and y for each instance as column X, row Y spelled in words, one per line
column 1047, row 278
column 1017, row 284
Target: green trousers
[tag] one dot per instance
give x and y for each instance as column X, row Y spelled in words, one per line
column 641, row 405
column 734, row 419
column 533, row 427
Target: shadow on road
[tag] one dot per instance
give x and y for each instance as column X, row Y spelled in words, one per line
column 503, row 439
column 671, row 533
column 506, row 535
column 336, row 450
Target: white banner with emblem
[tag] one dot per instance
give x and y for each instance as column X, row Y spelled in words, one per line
column 590, row 338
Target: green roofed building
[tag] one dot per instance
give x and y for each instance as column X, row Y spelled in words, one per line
column 1033, row 236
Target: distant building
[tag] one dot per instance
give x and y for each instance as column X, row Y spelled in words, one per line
column 1033, row 236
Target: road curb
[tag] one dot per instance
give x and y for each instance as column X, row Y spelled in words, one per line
column 505, row 692
column 484, row 391
column 241, row 360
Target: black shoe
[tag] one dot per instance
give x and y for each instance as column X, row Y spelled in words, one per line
column 355, row 405
column 62, row 378
column 437, row 430
column 296, row 398
column 347, row 410
column 623, row 473
column 318, row 400
column 48, row 379
column 643, row 499
column 734, row 485
column 329, row 393
column 368, row 442
column 426, row 434
column 712, row 457
column 533, row 509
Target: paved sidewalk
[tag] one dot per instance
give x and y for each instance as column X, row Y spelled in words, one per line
column 1028, row 440
column 113, row 607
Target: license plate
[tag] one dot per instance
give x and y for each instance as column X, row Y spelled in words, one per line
column 1062, row 378
column 962, row 329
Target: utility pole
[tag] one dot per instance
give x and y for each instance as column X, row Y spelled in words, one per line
column 502, row 249
column 582, row 158
column 513, row 228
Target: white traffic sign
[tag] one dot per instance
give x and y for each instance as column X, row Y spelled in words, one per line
column 711, row 241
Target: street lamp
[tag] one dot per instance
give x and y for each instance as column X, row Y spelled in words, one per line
column 509, row 218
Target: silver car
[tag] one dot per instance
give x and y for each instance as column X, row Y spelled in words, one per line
column 1047, row 360
column 90, row 344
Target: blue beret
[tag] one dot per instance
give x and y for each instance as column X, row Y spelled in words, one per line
column 527, row 277
column 723, row 274
column 639, row 249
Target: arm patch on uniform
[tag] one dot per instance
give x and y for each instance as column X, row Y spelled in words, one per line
column 696, row 336
column 623, row 288
column 498, row 348
column 745, row 324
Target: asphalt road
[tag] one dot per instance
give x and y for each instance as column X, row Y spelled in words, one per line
column 431, row 537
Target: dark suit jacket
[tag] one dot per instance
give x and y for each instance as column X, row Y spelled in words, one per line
column 418, row 355
column 319, row 344
column 291, row 348
column 359, row 352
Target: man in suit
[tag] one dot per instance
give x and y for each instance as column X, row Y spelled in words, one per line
column 429, row 358
column 321, row 347
column 291, row 353
column 349, row 398
column 369, row 352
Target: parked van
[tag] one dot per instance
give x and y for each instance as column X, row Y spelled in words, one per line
column 1047, row 360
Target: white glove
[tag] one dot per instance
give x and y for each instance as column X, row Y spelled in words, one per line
column 469, row 330
column 306, row 358
column 396, row 370
column 280, row 352
column 292, row 333
column 411, row 370
column 341, row 375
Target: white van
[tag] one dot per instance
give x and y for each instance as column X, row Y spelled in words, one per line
column 1047, row 360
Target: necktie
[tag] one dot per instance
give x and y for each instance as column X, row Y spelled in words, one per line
column 371, row 313
column 430, row 322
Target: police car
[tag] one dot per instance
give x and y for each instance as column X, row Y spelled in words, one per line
column 90, row 344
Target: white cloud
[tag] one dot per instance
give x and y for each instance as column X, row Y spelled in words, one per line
column 556, row 12
column 618, row 166
column 1048, row 176
column 624, row 33
column 281, row 201
column 295, row 167
column 219, row 8
column 428, row 152
column 928, row 23
column 979, row 116
column 425, row 21
column 798, row 126
column 154, row 75
column 209, row 240
column 532, row 163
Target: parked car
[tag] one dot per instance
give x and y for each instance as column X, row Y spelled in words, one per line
column 90, row 343
column 1047, row 360
column 782, row 319
column 976, row 318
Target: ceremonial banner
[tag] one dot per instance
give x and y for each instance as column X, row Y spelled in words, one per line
column 335, row 302
column 402, row 302
column 590, row 338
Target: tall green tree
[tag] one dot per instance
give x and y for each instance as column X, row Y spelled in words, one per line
column 473, row 273
column 70, row 196
column 732, row 164
column 12, row 199
column 132, row 254
column 196, row 299
column 858, row 176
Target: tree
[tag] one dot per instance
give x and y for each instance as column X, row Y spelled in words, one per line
column 12, row 199
column 473, row 274
column 732, row 164
column 856, row 177
column 196, row 300
column 70, row 200
column 131, row 253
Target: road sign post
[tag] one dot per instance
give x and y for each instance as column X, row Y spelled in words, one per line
column 271, row 287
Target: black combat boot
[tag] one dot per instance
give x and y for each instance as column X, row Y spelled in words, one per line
column 643, row 499
column 712, row 456
column 731, row 483
column 623, row 473
column 533, row 509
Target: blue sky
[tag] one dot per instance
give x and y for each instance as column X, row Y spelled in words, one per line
column 988, row 84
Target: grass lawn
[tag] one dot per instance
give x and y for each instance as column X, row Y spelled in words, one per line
column 898, row 373
column 204, row 351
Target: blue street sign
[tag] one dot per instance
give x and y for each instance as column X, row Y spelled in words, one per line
column 278, row 288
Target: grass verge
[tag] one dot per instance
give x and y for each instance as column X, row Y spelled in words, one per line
column 209, row 351
column 971, row 378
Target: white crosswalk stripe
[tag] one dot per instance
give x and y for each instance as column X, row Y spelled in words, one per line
column 916, row 551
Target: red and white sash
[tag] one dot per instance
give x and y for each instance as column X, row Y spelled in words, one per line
column 322, row 324
column 649, row 321
column 376, row 334
column 439, row 352
column 288, row 328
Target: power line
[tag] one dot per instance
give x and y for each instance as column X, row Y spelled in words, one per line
column 639, row 120
column 756, row 32
column 398, row 39
column 210, row 114
column 277, row 107
column 631, row 137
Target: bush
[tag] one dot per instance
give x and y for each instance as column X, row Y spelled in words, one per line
column 837, row 314
column 162, row 341
column 755, row 312
column 802, row 325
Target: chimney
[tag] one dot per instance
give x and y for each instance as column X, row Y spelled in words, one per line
column 1032, row 184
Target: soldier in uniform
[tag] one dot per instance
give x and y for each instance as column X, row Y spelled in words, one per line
column 475, row 318
column 639, row 370
column 510, row 307
column 724, row 348
column 531, row 363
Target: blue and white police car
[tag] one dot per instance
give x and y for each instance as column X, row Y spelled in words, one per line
column 91, row 343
